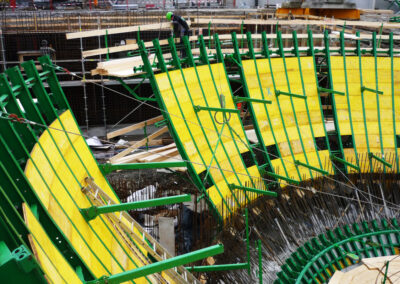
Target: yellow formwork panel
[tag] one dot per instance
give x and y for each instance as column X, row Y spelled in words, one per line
column 354, row 85
column 53, row 263
column 203, row 86
column 103, row 248
column 266, row 91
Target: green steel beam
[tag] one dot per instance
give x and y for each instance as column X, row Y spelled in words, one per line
column 251, row 100
column 108, row 168
column 219, row 267
column 334, row 158
column 282, row 178
column 259, row 191
column 363, row 89
column 372, row 156
column 330, row 91
column 198, row 108
column 277, row 93
column 160, row 266
column 94, row 211
column 298, row 163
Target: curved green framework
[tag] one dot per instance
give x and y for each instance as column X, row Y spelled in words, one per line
column 175, row 63
column 33, row 109
column 318, row 259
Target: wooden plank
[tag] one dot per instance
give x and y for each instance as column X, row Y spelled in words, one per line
column 139, row 144
column 330, row 22
column 111, row 31
column 134, row 127
column 160, row 156
column 136, row 156
column 128, row 47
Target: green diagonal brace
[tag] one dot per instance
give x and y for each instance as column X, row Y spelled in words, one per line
column 94, row 211
column 330, row 91
column 298, row 163
column 372, row 156
column 160, row 266
column 334, row 158
column 259, row 191
column 282, row 177
column 363, row 89
column 277, row 93
column 251, row 100
column 219, row 267
column 199, row 108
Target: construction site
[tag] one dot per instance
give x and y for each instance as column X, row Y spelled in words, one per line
column 206, row 141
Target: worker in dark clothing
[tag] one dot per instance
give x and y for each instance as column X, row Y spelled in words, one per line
column 181, row 28
column 47, row 50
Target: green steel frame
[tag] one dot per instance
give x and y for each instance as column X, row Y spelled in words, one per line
column 318, row 259
column 26, row 110
column 191, row 61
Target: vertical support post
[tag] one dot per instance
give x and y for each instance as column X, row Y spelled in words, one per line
column 106, row 44
column 3, row 52
column 103, row 101
column 246, row 216
column 84, row 79
column 260, row 271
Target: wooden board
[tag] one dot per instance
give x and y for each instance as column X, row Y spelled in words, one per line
column 133, row 127
column 139, row 144
column 111, row 31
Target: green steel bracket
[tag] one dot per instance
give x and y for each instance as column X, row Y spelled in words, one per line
column 282, row 178
column 372, row 156
column 251, row 100
column 260, row 271
column 250, row 189
column 231, row 58
column 199, row 108
column 94, row 211
column 200, row 197
column 19, row 266
column 161, row 123
column 330, row 91
column 160, row 266
column 278, row 93
column 219, row 267
column 132, row 91
column 363, row 89
column 298, row 163
column 108, row 168
column 334, row 158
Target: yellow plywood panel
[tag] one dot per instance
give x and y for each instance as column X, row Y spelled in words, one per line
column 353, row 90
column 203, row 86
column 86, row 155
column 269, row 117
column 53, row 263
column 58, row 184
